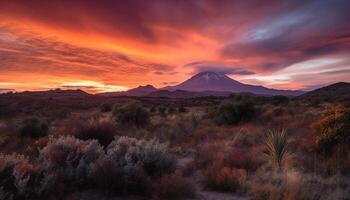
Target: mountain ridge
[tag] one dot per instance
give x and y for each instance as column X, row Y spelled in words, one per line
column 214, row 81
column 138, row 91
column 339, row 91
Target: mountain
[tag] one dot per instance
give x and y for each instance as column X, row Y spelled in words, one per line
column 213, row 81
column 335, row 92
column 187, row 94
column 139, row 91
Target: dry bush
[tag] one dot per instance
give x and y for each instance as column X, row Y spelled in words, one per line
column 179, row 131
column 219, row 177
column 174, row 186
column 69, row 164
column 106, row 107
column 164, row 132
column 245, row 158
column 151, row 155
column 33, row 127
column 161, row 110
column 132, row 113
column 188, row 169
column 70, row 160
column 280, row 100
column 153, row 109
column 293, row 185
column 18, row 178
column 233, row 113
column 266, row 192
column 171, row 110
column 103, row 131
column 182, row 109
column 307, row 186
column 333, row 129
column 207, row 153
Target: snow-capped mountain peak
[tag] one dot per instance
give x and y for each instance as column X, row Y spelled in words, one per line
column 216, row 81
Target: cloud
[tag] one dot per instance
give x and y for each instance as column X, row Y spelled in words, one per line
column 152, row 22
column 340, row 71
column 92, row 87
column 170, row 83
column 31, row 53
column 201, row 66
column 139, row 42
column 298, row 35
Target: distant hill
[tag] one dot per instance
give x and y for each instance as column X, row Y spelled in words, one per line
column 139, row 91
column 218, row 82
column 335, row 92
column 50, row 93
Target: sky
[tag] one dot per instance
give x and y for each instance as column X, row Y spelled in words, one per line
column 114, row 45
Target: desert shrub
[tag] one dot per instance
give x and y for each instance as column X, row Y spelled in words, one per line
column 279, row 100
column 276, row 147
column 267, row 192
column 33, row 127
column 161, row 110
column 295, row 185
column 106, row 107
column 57, row 113
column 219, row 177
column 70, row 159
column 176, row 132
column 188, row 169
column 17, row 178
column 333, row 129
column 151, row 155
column 316, row 187
column 244, row 158
column 182, row 109
column 174, row 186
column 6, row 110
column 132, row 113
column 153, row 109
column 242, row 97
column 4, row 195
column 208, row 152
column 102, row 131
column 171, row 110
column 194, row 121
column 7, row 180
column 68, row 164
column 105, row 174
column 3, row 140
column 232, row 113
column 164, row 132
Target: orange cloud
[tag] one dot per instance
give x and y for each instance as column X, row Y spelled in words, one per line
column 116, row 44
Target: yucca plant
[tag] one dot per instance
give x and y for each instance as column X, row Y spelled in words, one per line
column 276, row 147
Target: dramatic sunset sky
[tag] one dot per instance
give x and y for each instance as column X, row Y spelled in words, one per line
column 111, row 45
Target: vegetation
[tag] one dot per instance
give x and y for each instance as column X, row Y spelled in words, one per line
column 208, row 147
column 132, row 113
column 175, row 186
column 333, row 129
column 33, row 127
column 103, row 131
column 128, row 164
column 219, row 177
column 276, row 147
column 106, row 107
column 232, row 113
column 162, row 110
